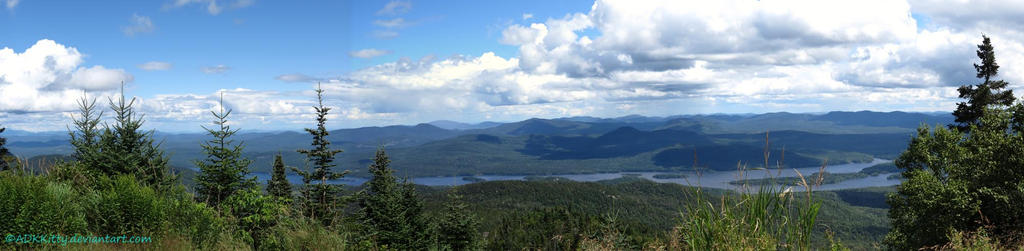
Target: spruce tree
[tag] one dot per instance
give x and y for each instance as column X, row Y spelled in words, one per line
column 416, row 229
column 457, row 229
column 392, row 214
column 86, row 135
column 278, row 184
column 3, row 152
column 224, row 169
column 321, row 200
column 126, row 149
column 983, row 95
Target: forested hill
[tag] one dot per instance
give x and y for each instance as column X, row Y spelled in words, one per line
column 569, row 145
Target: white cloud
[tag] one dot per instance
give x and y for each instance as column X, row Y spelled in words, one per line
column 296, row 78
column 217, row 69
column 49, row 77
column 527, row 16
column 737, row 56
column 11, row 3
column 211, row 6
column 368, row 53
column 139, row 24
column 395, row 8
column 155, row 66
column 650, row 57
column 391, row 23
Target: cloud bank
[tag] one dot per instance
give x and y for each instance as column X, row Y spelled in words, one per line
column 618, row 58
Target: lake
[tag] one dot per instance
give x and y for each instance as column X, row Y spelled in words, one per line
column 711, row 179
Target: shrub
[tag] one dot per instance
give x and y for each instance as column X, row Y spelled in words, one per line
column 31, row 205
column 122, row 206
column 255, row 214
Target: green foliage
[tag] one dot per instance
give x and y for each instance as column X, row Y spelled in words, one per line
column 125, row 149
column 201, row 225
column 556, row 228
column 125, row 207
column 321, row 200
column 255, row 215
column 769, row 218
column 977, row 240
column 960, row 182
column 306, row 234
column 982, row 96
column 278, row 184
column 392, row 213
column 458, row 229
column 3, row 152
column 30, row 204
column 887, row 167
column 224, row 169
column 85, row 138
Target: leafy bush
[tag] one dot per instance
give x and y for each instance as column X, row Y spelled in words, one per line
column 255, row 214
column 122, row 206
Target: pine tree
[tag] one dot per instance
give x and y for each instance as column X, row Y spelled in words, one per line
column 458, row 229
column 392, row 214
column 126, row 149
column 224, row 169
column 321, row 200
column 86, row 136
column 278, row 184
column 983, row 95
column 379, row 201
column 417, row 229
column 3, row 152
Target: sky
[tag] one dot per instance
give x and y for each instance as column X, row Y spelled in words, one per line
column 408, row 62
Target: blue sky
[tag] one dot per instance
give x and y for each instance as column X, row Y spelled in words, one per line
column 408, row 62
column 264, row 39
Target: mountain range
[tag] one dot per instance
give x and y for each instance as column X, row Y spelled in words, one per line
column 568, row 145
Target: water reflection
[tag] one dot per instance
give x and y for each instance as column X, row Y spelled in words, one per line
column 712, row 179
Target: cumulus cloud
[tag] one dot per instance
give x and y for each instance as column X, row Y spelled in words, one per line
column 139, row 24
column 217, row 69
column 647, row 57
column 211, row 6
column 723, row 55
column 368, row 53
column 49, row 77
column 395, row 8
column 155, row 66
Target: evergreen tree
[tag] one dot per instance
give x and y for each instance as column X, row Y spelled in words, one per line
column 392, row 214
column 224, row 169
column 126, row 149
column 321, row 200
column 963, row 180
column 3, row 152
column 458, row 228
column 278, row 184
column 417, row 228
column 983, row 95
column 86, row 136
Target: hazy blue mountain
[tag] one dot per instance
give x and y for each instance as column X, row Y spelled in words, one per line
column 566, row 145
column 884, row 119
column 453, row 125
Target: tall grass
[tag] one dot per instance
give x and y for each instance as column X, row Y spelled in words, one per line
column 769, row 217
